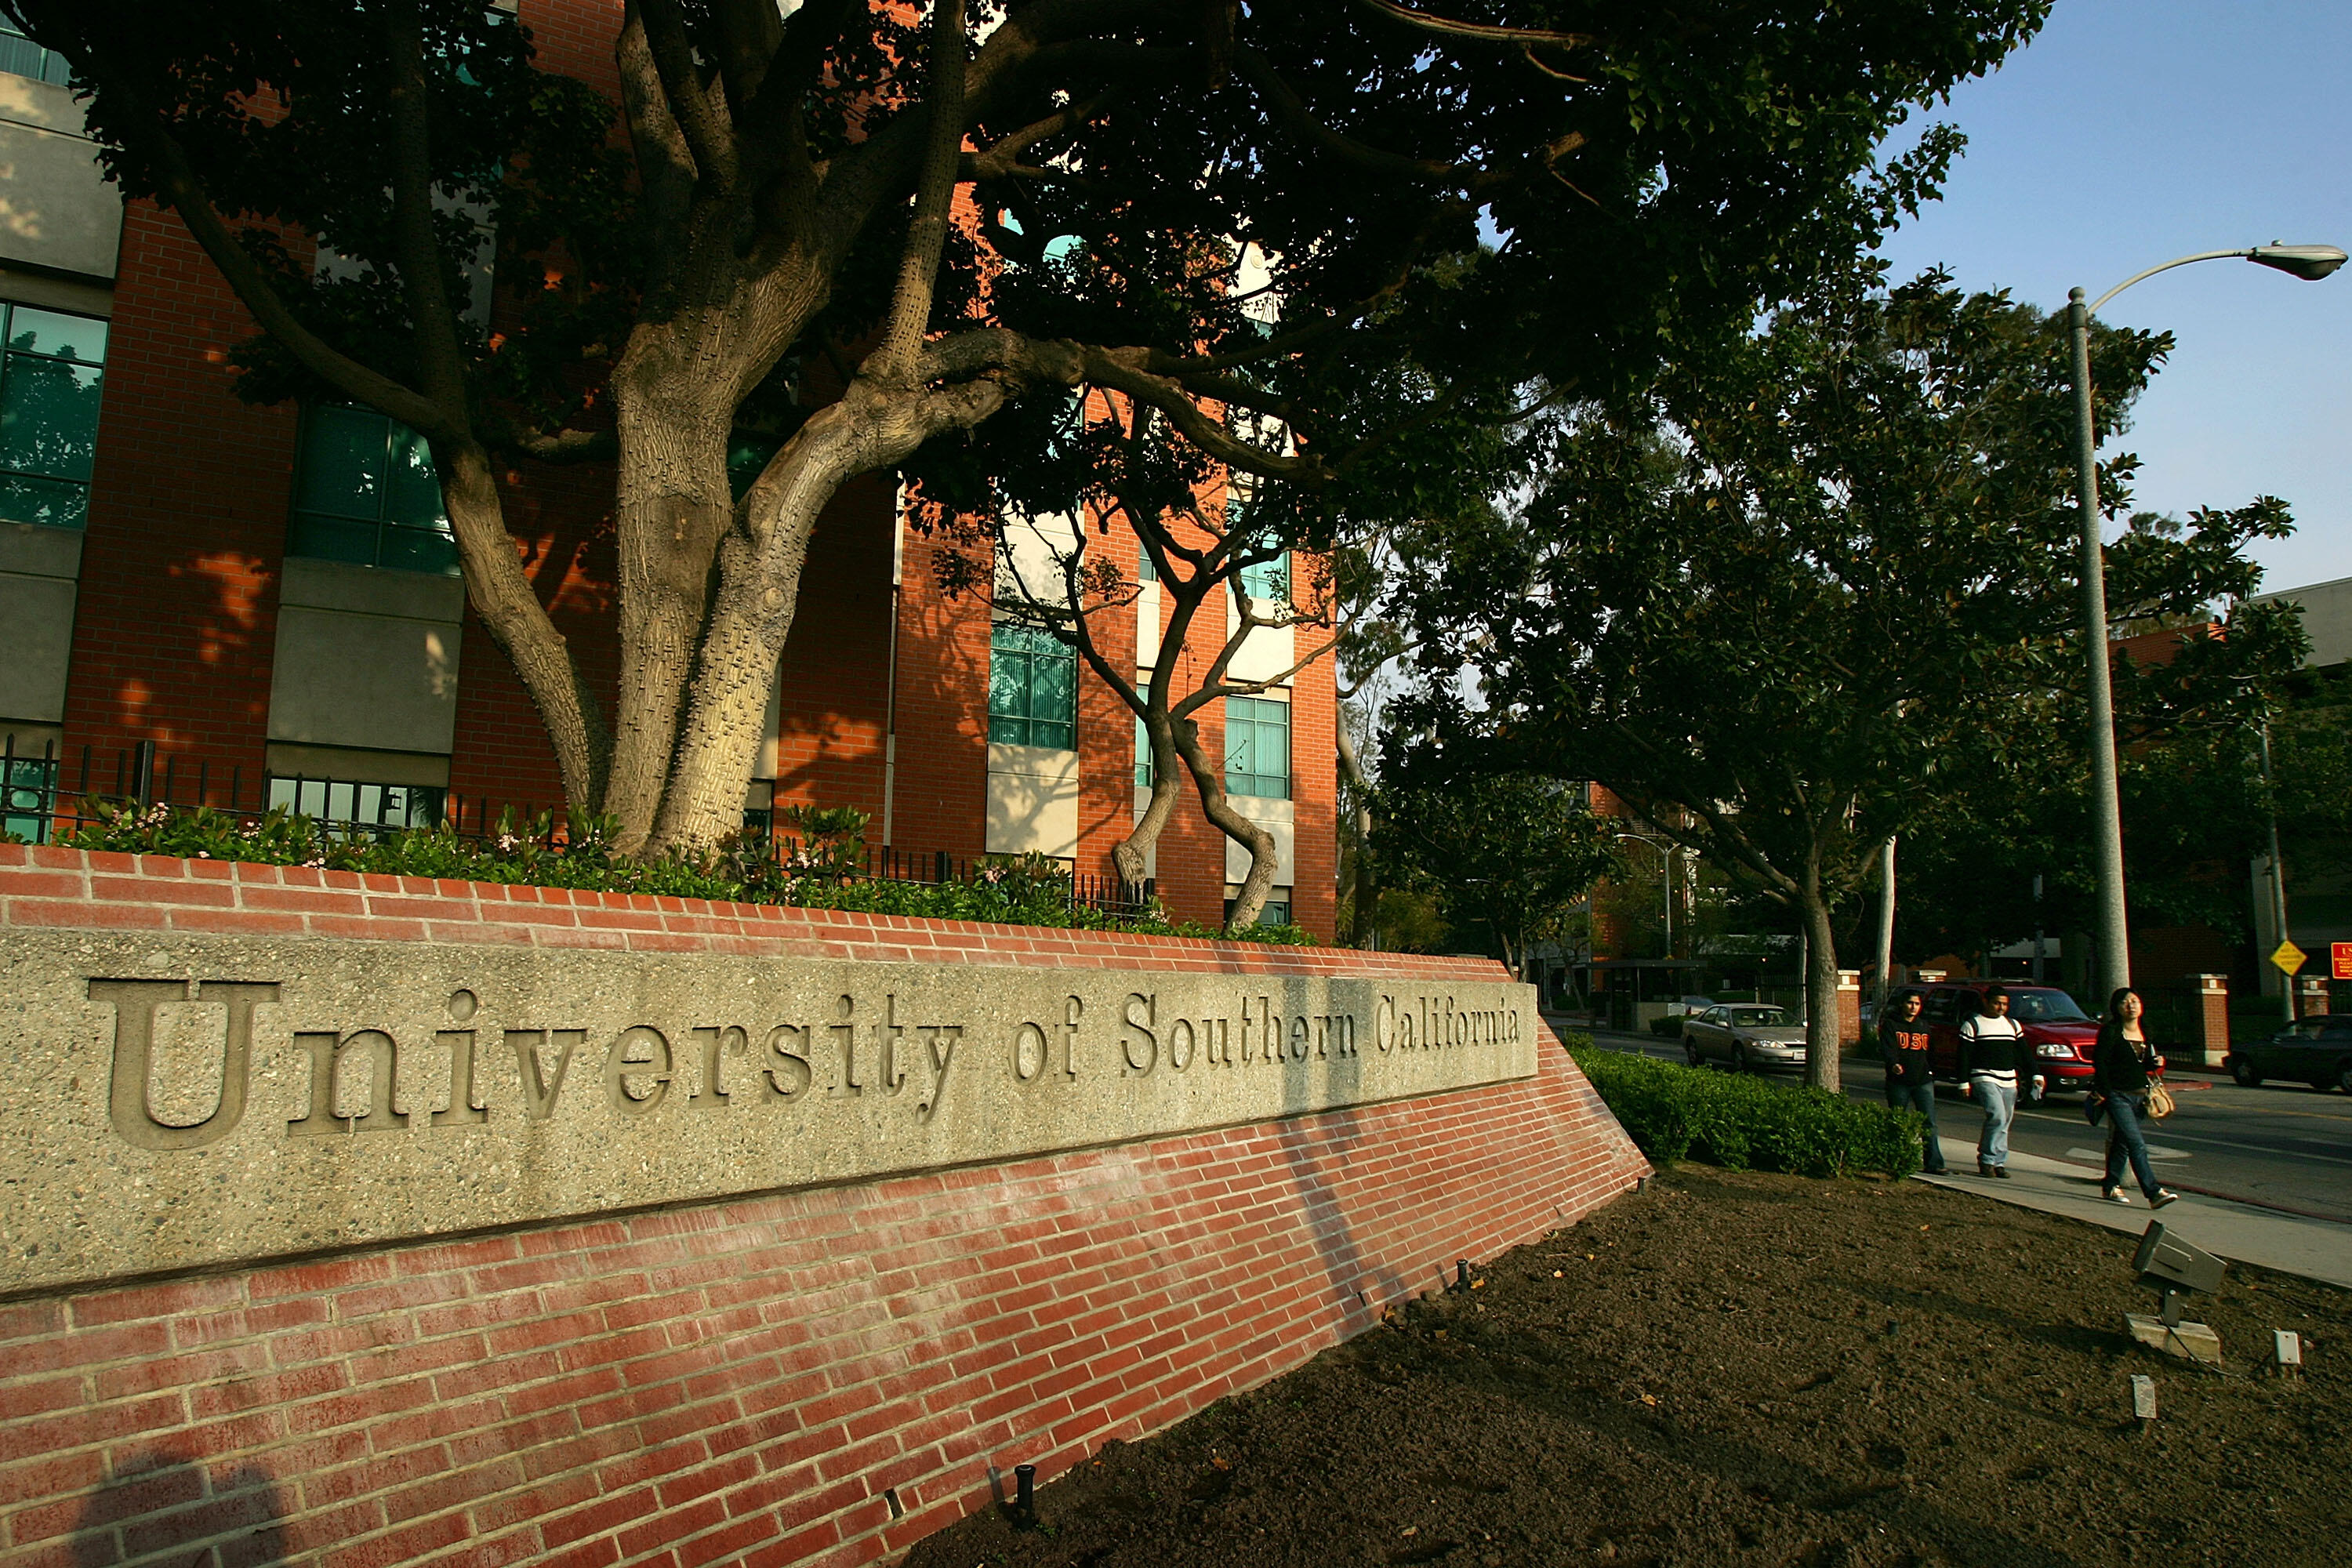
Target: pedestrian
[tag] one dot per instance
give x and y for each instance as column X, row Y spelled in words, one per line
column 2121, row 1064
column 1910, row 1081
column 1999, row 1063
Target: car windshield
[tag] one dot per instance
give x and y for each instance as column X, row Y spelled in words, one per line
column 2045, row 1007
column 1759, row 1017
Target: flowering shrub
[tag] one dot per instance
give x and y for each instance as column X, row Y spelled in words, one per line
column 819, row 872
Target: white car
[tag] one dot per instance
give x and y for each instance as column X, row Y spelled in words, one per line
column 1751, row 1036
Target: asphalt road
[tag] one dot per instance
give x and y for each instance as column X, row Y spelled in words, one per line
column 2282, row 1145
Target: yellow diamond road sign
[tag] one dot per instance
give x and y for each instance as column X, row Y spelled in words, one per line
column 2288, row 957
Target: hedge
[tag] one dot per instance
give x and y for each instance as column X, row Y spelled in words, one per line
column 549, row 852
column 1674, row 1112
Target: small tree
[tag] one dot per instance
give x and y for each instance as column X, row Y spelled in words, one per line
column 1513, row 855
column 1784, row 603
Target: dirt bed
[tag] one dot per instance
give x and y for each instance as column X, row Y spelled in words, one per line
column 1752, row 1369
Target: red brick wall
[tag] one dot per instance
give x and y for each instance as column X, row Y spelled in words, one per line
column 740, row 1381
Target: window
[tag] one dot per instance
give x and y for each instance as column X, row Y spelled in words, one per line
column 28, row 794
column 1145, row 570
column 1143, row 774
column 49, row 382
column 19, row 56
column 1268, row 582
column 1257, row 747
column 1033, row 689
column 337, row 801
column 1275, row 911
column 366, row 493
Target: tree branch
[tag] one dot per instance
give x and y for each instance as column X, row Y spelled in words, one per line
column 1291, row 110
column 706, row 140
column 434, row 325
column 1484, row 32
column 927, row 232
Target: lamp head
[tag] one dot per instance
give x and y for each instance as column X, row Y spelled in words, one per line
column 2308, row 262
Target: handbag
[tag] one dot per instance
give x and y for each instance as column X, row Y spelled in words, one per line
column 2095, row 1108
column 2160, row 1101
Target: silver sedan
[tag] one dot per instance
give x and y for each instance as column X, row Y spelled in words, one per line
column 1752, row 1036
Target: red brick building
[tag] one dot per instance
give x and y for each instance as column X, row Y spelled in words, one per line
column 269, row 594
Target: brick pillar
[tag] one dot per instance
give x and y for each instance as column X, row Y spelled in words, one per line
column 1926, row 976
column 2310, row 992
column 2211, row 1037
column 1849, row 1007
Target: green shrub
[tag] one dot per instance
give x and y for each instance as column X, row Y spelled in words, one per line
column 552, row 853
column 1669, row 1024
column 1674, row 1112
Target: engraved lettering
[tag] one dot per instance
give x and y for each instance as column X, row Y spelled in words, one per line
column 1137, row 1032
column 1022, row 1070
column 1072, row 1010
column 320, row 1119
column 1182, row 1044
column 711, row 1091
column 624, row 1072
column 941, row 1039
column 1217, row 1034
column 462, row 1110
column 1384, row 1024
column 846, row 1086
column 136, row 1001
column 787, row 1074
column 540, row 1089
column 891, row 1032
column 1298, row 1039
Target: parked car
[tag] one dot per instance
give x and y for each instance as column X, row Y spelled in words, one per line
column 2059, row 1032
column 1752, row 1036
column 2316, row 1050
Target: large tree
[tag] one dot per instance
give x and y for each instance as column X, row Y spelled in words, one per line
column 1790, row 601
column 778, row 249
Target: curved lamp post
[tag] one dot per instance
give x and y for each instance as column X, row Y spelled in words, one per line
column 2309, row 262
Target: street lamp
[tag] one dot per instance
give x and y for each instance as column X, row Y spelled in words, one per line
column 2309, row 262
column 1665, row 848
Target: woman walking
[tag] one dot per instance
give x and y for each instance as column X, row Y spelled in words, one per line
column 2120, row 1065
column 1997, row 1061
column 1910, row 1083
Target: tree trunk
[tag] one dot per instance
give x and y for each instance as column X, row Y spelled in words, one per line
column 1822, row 1044
column 671, row 508
column 1131, row 854
column 1209, row 783
column 509, row 610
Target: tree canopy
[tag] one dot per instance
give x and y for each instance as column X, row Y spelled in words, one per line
column 1449, row 209
column 1817, row 589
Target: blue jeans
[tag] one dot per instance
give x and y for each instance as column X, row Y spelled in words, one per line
column 1921, row 1097
column 2124, row 1137
column 1999, row 1103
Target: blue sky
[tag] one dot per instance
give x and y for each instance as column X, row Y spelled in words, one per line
column 2131, row 131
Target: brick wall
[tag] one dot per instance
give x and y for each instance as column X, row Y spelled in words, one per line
column 772, row 1379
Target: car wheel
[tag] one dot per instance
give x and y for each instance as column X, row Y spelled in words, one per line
column 2344, row 1078
column 2244, row 1072
column 1739, row 1058
column 1690, row 1051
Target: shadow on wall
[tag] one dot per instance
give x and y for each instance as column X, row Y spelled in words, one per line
column 165, row 1508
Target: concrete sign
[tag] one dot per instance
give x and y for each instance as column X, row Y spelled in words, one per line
column 218, row 1100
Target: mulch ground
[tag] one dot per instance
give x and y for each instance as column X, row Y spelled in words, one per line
column 1752, row 1369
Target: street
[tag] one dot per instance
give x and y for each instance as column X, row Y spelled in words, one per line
column 2283, row 1145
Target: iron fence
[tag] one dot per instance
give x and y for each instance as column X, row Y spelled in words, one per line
column 48, row 798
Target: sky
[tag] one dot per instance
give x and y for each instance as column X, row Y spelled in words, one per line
column 2131, row 131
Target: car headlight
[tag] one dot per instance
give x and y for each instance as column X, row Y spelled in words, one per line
column 2050, row 1050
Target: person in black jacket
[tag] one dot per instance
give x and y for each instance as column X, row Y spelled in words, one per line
column 2120, row 1064
column 1910, row 1083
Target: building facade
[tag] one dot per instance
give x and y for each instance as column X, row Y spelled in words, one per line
column 267, row 598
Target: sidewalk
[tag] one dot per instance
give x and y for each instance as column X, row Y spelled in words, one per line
column 2315, row 1249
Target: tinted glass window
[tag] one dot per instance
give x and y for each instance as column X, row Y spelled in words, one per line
column 2045, row 1007
column 1033, row 689
column 365, row 491
column 1759, row 1017
column 1257, row 747
column 51, row 383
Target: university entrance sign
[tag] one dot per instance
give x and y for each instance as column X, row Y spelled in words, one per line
column 220, row 1099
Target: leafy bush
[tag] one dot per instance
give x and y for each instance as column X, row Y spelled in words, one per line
column 551, row 852
column 1669, row 1024
column 1674, row 1112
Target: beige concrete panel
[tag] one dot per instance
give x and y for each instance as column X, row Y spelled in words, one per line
column 1266, row 654
column 1151, row 856
column 377, row 682
column 369, row 590
column 1146, row 626
column 1029, row 556
column 57, row 208
column 1276, row 816
column 57, row 293
column 39, row 612
column 1033, row 800
column 32, row 551
column 2327, row 619
column 310, row 1094
column 363, row 767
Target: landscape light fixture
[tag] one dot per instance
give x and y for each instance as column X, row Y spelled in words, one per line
column 2174, row 1268
column 2309, row 262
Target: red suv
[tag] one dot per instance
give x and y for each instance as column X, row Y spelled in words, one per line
column 2060, row 1033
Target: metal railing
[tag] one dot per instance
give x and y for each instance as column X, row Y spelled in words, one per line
column 46, row 797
